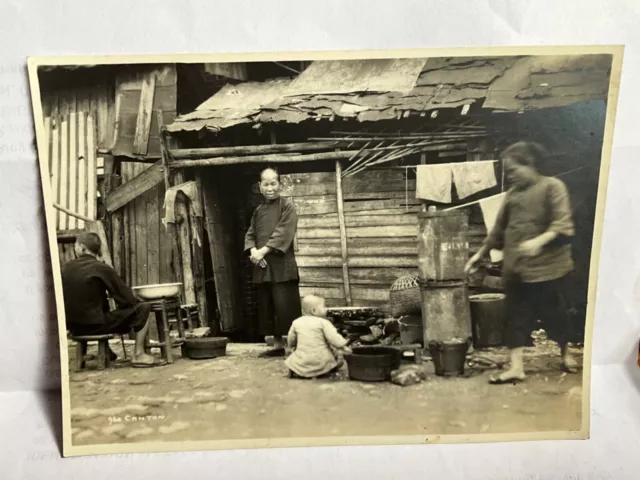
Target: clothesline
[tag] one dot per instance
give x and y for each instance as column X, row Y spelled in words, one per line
column 415, row 167
column 502, row 193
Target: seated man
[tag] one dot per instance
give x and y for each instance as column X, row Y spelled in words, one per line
column 85, row 284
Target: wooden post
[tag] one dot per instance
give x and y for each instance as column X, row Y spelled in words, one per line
column 222, row 255
column 343, row 234
column 184, row 238
column 198, row 268
column 172, row 227
column 117, row 233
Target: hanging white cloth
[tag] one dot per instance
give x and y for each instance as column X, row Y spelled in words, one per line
column 490, row 207
column 473, row 177
column 433, row 182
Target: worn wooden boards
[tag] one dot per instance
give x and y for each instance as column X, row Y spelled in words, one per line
column 147, row 252
column 380, row 232
column 140, row 94
column 146, row 179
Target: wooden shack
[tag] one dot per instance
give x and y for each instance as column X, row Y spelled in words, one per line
column 346, row 137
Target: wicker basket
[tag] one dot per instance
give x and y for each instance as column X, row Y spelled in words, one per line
column 405, row 297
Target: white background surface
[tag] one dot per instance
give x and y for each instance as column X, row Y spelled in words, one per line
column 30, row 420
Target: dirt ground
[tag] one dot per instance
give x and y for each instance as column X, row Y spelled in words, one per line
column 242, row 396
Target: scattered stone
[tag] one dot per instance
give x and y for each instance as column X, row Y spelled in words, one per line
column 142, row 381
column 410, row 375
column 505, row 406
column 457, row 423
column 376, row 332
column 237, row 393
column 78, row 378
column 262, row 412
column 139, row 432
column 113, row 429
column 368, row 386
column 154, row 401
column 204, row 394
column 179, row 377
column 184, row 400
column 368, row 339
column 202, row 385
column 118, row 381
column 85, row 434
column 484, row 428
column 220, row 407
column 174, row 427
column 83, row 413
column 132, row 409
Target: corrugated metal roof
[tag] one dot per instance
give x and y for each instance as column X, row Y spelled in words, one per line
column 353, row 89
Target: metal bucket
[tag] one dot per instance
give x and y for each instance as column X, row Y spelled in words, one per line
column 449, row 357
column 487, row 316
column 411, row 330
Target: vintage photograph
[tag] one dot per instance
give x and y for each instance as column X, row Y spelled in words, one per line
column 324, row 249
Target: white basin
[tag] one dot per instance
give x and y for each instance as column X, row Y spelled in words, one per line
column 161, row 290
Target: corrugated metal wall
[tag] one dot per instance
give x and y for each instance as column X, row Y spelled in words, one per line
column 72, row 159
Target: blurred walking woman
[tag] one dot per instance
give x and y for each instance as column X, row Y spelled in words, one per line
column 533, row 229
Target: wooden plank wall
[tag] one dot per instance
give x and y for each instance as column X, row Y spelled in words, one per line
column 147, row 248
column 71, row 154
column 140, row 94
column 381, row 225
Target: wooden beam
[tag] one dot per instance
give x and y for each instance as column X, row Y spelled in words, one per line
column 135, row 187
column 271, row 158
column 195, row 153
column 143, row 124
column 343, row 234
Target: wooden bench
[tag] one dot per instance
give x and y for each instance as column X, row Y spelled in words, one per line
column 102, row 358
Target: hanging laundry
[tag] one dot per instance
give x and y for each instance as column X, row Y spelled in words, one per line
column 490, row 207
column 473, row 177
column 433, row 182
column 190, row 189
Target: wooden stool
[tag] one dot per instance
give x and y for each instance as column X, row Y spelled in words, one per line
column 190, row 311
column 161, row 308
column 416, row 348
column 102, row 358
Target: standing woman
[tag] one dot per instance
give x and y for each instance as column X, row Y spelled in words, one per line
column 269, row 244
column 533, row 229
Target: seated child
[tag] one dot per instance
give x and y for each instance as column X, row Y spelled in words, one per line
column 315, row 342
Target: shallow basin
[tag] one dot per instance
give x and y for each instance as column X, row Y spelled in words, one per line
column 161, row 290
